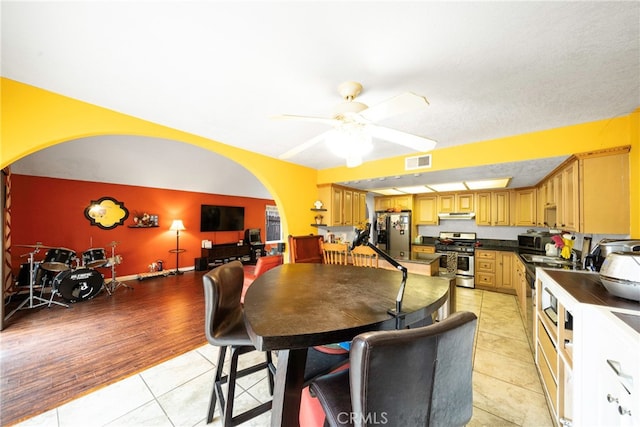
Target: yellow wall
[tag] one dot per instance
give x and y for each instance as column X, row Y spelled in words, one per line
column 33, row 119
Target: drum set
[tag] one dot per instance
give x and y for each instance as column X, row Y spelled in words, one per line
column 74, row 279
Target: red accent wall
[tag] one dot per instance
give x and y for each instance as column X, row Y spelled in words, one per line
column 51, row 211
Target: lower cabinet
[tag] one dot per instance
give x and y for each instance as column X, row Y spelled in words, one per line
column 586, row 355
column 494, row 270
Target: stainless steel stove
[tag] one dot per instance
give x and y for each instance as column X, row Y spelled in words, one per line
column 457, row 250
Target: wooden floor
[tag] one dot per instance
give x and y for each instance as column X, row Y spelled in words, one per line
column 49, row 356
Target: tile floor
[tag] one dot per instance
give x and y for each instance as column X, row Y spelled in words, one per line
column 507, row 391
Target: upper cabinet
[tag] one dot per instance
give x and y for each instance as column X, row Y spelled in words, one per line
column 493, row 208
column 345, row 206
column 589, row 193
column 523, row 213
column 603, row 198
column 426, row 209
column 399, row 203
column 455, row 202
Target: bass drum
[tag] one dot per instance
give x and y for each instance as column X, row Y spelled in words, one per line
column 78, row 285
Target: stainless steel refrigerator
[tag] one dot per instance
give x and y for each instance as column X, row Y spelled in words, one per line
column 394, row 233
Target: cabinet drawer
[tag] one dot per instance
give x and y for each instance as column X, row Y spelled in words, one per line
column 487, row 279
column 485, row 255
column 549, row 382
column 424, row 249
column 548, row 349
column 486, row 265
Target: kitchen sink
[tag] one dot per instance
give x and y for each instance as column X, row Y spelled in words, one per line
column 542, row 259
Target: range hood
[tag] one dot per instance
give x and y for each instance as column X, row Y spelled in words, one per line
column 456, row 215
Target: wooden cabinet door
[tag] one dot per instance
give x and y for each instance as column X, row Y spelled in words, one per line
column 483, row 208
column 336, row 206
column 570, row 208
column 426, row 210
column 347, row 207
column 403, row 202
column 525, row 205
column 604, row 194
column 447, row 203
column 464, row 202
column 383, row 203
column 504, row 270
column 500, row 208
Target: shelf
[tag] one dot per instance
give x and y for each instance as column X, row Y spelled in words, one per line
column 143, row 226
column 318, row 225
column 318, row 210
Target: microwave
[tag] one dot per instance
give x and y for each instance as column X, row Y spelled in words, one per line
column 534, row 242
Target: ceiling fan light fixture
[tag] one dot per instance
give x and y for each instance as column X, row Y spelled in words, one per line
column 350, row 142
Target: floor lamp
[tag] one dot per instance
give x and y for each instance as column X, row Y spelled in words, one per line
column 177, row 226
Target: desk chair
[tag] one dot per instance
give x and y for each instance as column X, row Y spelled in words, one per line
column 224, row 327
column 364, row 256
column 335, row 253
column 410, row 377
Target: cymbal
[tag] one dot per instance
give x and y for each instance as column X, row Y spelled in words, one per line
column 37, row 245
column 113, row 244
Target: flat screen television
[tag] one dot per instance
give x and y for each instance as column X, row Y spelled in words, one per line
column 221, row 218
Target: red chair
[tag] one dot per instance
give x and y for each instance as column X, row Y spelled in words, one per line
column 264, row 263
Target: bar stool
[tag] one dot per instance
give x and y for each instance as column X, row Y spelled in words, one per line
column 225, row 328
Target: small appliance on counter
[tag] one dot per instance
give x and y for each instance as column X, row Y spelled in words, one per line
column 620, row 274
column 599, row 253
column 535, row 241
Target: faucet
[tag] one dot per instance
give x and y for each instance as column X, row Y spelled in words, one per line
column 574, row 258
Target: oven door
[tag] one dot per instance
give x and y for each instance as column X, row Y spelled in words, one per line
column 466, row 271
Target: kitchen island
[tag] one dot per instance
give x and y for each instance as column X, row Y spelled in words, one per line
column 587, row 343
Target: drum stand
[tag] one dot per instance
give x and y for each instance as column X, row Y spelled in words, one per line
column 33, row 300
column 114, row 284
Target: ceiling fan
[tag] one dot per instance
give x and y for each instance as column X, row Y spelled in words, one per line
column 354, row 125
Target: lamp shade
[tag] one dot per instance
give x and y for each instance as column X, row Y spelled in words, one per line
column 177, row 225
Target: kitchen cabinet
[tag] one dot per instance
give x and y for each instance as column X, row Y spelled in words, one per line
column 523, row 290
column 455, row 202
column 604, row 205
column 425, row 210
column 610, row 394
column 340, row 203
column 493, row 208
column 494, row 270
column 554, row 344
column 359, row 208
column 402, row 203
column 586, row 350
column 524, row 207
column 568, row 208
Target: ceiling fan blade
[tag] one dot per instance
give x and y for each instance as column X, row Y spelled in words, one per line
column 305, row 145
column 415, row 142
column 324, row 120
column 400, row 104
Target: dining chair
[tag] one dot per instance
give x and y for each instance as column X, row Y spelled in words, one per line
column 364, row 256
column 225, row 328
column 335, row 253
column 404, row 377
column 305, row 249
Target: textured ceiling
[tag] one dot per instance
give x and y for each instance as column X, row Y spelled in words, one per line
column 219, row 69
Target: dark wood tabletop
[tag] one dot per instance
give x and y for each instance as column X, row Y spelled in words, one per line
column 296, row 306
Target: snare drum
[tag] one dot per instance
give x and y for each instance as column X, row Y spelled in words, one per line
column 58, row 259
column 78, row 285
column 94, row 257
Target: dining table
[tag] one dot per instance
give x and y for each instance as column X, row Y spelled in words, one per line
column 296, row 306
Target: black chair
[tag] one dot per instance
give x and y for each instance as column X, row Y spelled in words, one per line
column 409, row 377
column 225, row 328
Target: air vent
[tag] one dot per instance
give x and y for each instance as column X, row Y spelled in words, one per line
column 417, row 162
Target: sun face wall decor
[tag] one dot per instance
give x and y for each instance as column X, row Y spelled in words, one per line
column 106, row 213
